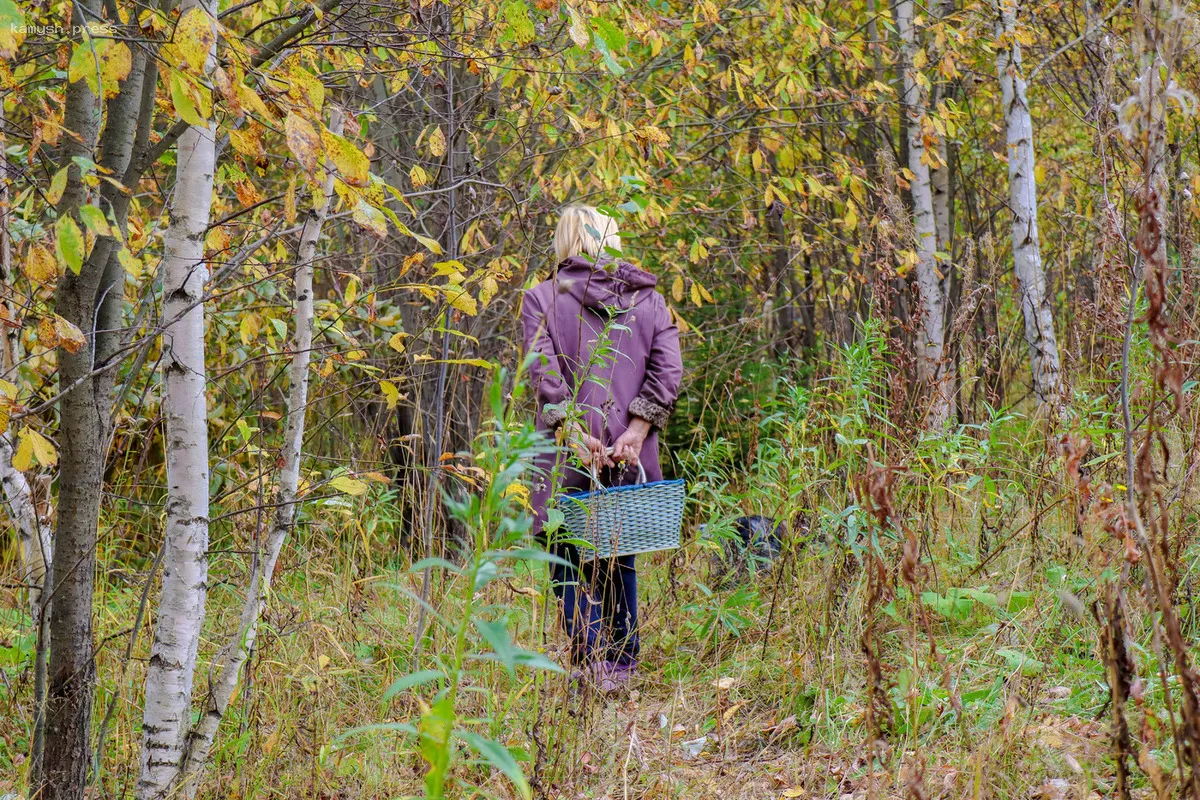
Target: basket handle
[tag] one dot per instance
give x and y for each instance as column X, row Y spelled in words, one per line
column 596, row 476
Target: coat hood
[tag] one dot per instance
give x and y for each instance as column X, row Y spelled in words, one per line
column 597, row 288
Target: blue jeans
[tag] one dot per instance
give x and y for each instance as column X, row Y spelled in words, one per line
column 599, row 612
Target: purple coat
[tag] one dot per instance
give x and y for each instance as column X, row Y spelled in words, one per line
column 563, row 319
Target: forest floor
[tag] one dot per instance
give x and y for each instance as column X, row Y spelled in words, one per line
column 753, row 691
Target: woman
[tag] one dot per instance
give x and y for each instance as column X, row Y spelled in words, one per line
column 608, row 358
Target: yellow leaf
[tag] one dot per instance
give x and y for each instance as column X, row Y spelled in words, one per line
column 305, row 89
column 430, row 244
column 519, row 491
column 487, row 289
column 397, row 342
column 418, row 177
column 250, row 100
column 437, row 142
column 677, row 289
column 69, row 337
column 58, row 185
column 247, row 140
column 348, row 485
column 756, row 158
column 695, row 293
column 248, row 328
column 40, row 267
column 390, row 393
column 850, row 221
column 704, row 293
column 194, row 39
column 411, row 261
column 353, row 166
column 23, row 458
column 42, row 449
column 115, row 63
column 370, row 218
column 303, row 141
column 461, row 300
column 47, row 338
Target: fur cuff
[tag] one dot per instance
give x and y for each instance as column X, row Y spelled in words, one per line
column 553, row 415
column 650, row 411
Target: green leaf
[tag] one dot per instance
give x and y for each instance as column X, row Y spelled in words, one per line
column 69, row 244
column 435, row 727
column 185, row 107
column 610, row 61
column 554, row 520
column 434, row 561
column 532, row 553
column 516, row 14
column 413, row 679
column 613, row 36
column 85, row 64
column 94, row 220
column 11, row 15
column 1016, row 660
column 508, row 654
column 499, row 757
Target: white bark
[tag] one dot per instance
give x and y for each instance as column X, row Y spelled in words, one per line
column 228, row 666
column 940, row 177
column 172, row 666
column 1022, row 199
column 33, row 532
column 931, row 366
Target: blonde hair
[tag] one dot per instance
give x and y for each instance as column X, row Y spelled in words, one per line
column 583, row 230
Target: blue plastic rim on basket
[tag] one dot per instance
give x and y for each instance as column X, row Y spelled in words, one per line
column 624, row 520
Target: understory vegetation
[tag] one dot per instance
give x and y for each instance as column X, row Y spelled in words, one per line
column 267, row 435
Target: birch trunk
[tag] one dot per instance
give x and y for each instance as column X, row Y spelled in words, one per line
column 228, row 666
column 33, row 532
column 943, row 219
column 1022, row 186
column 170, row 673
column 931, row 367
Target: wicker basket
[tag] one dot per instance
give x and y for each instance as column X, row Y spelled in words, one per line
column 624, row 520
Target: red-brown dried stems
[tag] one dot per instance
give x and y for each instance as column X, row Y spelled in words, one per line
column 874, row 491
column 1138, row 522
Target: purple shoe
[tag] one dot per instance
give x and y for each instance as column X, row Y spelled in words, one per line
column 613, row 677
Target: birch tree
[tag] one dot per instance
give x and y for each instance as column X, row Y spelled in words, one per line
column 170, row 673
column 1022, row 199
column 931, row 366
column 228, row 666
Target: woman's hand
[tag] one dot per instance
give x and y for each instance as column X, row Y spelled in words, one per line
column 588, row 449
column 628, row 447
